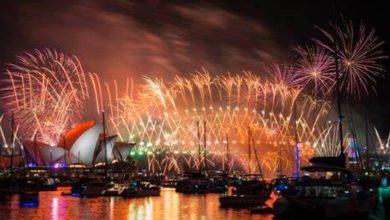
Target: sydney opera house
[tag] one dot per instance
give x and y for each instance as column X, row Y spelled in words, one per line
column 83, row 144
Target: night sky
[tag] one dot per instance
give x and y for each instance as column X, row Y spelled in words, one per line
column 124, row 38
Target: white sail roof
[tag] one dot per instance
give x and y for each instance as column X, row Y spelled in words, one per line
column 84, row 146
column 109, row 145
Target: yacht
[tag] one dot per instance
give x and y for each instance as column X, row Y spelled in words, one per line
column 330, row 191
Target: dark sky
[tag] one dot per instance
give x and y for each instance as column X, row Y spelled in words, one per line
column 121, row 38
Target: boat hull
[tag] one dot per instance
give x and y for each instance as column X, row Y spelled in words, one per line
column 328, row 208
column 141, row 193
column 242, row 200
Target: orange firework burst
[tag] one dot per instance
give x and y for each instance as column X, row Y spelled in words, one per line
column 45, row 90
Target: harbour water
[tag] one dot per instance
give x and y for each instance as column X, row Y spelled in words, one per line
column 169, row 206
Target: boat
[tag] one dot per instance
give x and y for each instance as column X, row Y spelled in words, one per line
column 334, row 194
column 46, row 184
column 331, row 191
column 140, row 189
column 21, row 184
column 253, row 190
column 284, row 185
column 89, row 188
column 198, row 183
column 249, row 193
column 116, row 189
column 242, row 200
column 169, row 183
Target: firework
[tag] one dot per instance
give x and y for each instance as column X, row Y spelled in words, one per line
column 359, row 51
column 46, row 91
column 9, row 146
column 315, row 70
column 162, row 117
column 284, row 75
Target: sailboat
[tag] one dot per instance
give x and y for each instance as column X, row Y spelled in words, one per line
column 251, row 191
column 200, row 182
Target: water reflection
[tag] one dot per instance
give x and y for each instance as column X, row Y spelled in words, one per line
column 169, row 206
column 29, row 200
column 54, row 208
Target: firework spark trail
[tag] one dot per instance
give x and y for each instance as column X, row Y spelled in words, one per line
column 6, row 144
column 383, row 147
column 46, row 91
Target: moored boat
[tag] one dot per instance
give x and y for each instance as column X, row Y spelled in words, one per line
column 89, row 188
column 330, row 196
column 140, row 189
column 249, row 193
column 116, row 189
column 199, row 183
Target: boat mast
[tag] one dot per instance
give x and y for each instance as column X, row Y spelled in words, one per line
column 205, row 147
column 249, row 149
column 257, row 160
column 104, row 142
column 367, row 148
column 297, row 150
column 12, row 141
column 280, row 161
column 227, row 168
column 199, row 148
column 338, row 89
column 35, row 150
column 65, row 159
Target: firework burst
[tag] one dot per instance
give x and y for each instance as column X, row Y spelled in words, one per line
column 359, row 51
column 315, row 70
column 162, row 117
column 46, row 91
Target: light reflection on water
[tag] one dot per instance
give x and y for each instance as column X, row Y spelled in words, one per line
column 169, row 206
